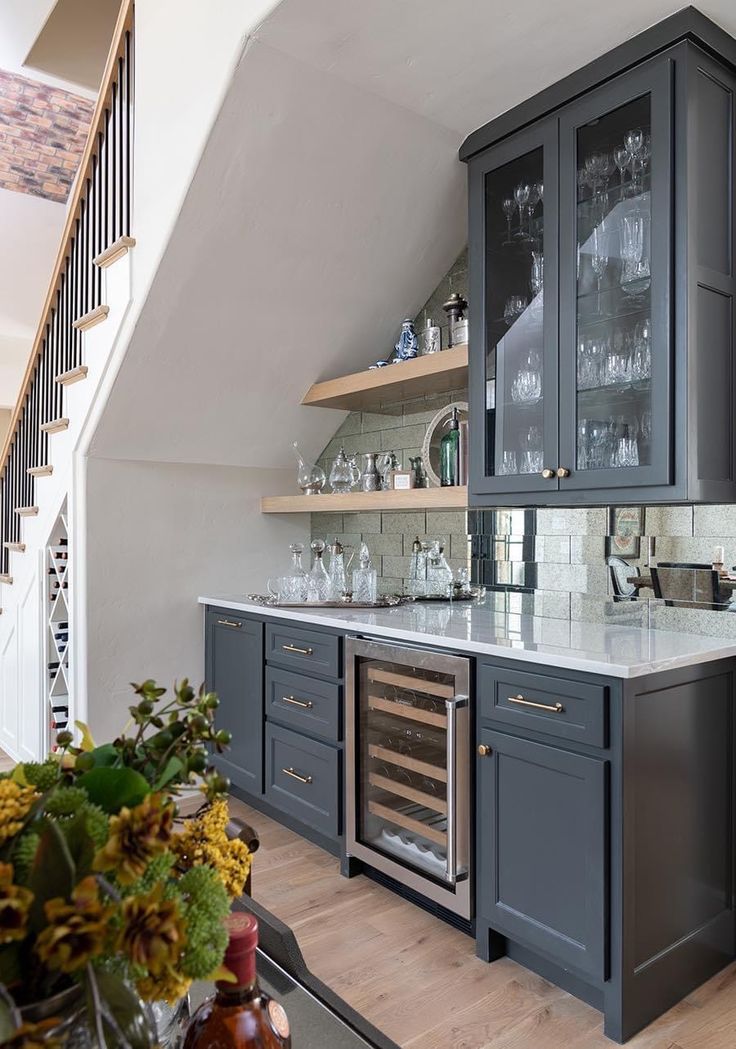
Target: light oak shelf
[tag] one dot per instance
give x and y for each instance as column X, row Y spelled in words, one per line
column 434, row 373
column 415, row 499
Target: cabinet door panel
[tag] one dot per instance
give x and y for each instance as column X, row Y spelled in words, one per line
column 234, row 669
column 513, row 338
column 616, row 282
column 542, row 872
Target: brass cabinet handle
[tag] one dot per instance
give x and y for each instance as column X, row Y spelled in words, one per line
column 483, row 750
column 562, row 471
column 556, row 708
column 306, row 704
column 297, row 775
column 547, row 473
column 299, row 651
column 230, row 623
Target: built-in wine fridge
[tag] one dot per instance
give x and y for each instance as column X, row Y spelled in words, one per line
column 408, row 760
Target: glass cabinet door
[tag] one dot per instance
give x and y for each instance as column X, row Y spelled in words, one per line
column 615, row 149
column 513, row 384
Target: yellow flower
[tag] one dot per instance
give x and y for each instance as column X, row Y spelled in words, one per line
column 76, row 932
column 168, row 986
column 152, row 935
column 15, row 803
column 136, row 836
column 15, row 902
column 205, row 841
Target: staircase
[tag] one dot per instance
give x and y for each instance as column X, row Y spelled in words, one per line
column 87, row 300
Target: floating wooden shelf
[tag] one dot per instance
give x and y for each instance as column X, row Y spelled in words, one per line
column 434, row 373
column 414, row 499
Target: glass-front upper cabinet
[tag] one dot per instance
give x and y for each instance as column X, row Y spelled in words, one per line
column 514, row 386
column 615, row 274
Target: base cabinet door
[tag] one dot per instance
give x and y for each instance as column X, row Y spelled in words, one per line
column 542, row 871
column 234, row 670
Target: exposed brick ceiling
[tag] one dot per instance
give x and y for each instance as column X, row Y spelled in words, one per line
column 43, row 131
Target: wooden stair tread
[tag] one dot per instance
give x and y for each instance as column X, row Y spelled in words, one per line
column 90, row 319
column 16, row 548
column 40, row 471
column 73, row 375
column 114, row 251
column 26, row 511
column 55, row 425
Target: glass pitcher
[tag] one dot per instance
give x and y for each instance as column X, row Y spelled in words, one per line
column 344, row 474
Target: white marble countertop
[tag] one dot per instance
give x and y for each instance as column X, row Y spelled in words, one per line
column 617, row 651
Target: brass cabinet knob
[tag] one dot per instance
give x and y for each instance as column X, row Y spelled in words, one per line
column 562, row 471
column 547, row 474
column 483, row 750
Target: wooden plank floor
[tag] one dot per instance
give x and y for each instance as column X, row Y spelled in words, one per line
column 418, row 980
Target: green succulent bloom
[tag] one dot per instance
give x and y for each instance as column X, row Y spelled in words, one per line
column 206, row 905
column 42, row 776
column 24, row 853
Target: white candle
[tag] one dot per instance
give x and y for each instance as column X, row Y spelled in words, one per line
column 718, row 555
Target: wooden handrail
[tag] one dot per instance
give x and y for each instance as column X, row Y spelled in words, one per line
column 122, row 26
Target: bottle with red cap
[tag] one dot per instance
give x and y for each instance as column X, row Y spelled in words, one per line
column 240, row 1015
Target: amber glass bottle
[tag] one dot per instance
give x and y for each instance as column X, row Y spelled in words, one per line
column 239, row 1015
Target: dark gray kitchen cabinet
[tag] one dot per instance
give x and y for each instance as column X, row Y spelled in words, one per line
column 234, row 669
column 541, row 842
column 601, row 247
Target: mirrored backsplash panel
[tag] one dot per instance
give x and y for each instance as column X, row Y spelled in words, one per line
column 554, row 562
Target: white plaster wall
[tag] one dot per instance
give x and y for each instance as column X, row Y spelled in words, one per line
column 186, row 53
column 158, row 535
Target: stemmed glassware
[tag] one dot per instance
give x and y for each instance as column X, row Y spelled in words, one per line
column 509, row 207
column 515, row 306
column 531, row 451
column 527, row 386
column 634, row 142
column 536, row 278
column 522, row 193
column 621, row 159
column 599, row 259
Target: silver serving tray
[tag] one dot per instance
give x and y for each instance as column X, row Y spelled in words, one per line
column 383, row 602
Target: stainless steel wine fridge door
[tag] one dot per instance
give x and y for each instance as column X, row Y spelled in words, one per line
column 407, row 732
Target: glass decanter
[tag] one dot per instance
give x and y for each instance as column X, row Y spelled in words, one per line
column 344, row 474
column 291, row 587
column 318, row 581
column 337, row 572
column 310, row 477
column 365, row 579
column 439, row 573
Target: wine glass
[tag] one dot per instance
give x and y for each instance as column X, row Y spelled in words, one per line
column 634, row 141
column 622, row 159
column 536, row 278
column 509, row 207
column 599, row 260
column 534, row 199
column 521, row 196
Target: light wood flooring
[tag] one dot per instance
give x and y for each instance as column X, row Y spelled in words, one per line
column 419, row 981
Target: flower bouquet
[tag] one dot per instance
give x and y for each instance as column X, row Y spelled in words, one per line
column 108, row 900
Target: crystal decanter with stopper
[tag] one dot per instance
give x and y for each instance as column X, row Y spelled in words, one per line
column 365, row 578
column 240, row 1015
column 318, row 581
column 310, row 477
column 337, row 571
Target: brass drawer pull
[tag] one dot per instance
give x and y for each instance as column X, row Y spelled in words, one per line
column 296, row 775
column 484, row 750
column 305, row 704
column 229, row 622
column 299, row 651
column 556, row 708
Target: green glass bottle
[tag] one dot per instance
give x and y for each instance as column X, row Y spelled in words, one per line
column 449, row 453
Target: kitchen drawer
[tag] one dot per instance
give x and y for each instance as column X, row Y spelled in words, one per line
column 292, row 645
column 571, row 710
column 304, row 703
column 303, row 778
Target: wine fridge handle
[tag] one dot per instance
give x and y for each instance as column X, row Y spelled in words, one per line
column 451, row 706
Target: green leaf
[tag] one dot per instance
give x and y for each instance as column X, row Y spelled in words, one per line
column 52, row 874
column 172, row 769
column 105, row 755
column 111, row 789
column 80, row 844
column 10, row 966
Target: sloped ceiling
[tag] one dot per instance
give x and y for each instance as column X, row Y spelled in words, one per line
column 328, row 203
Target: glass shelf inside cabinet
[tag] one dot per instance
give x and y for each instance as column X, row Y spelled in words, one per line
column 515, row 312
column 614, row 327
